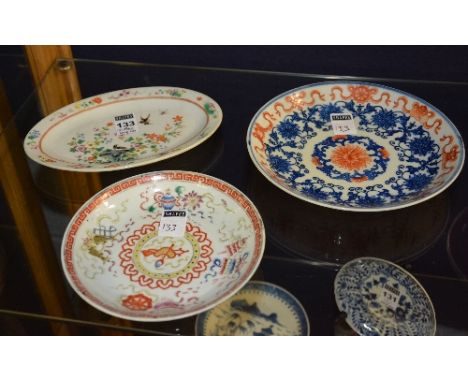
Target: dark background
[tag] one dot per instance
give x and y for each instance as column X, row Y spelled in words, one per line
column 445, row 63
column 421, row 62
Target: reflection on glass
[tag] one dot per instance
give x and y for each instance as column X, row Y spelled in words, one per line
column 457, row 243
column 324, row 234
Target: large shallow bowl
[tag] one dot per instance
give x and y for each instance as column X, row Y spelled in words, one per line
column 380, row 298
column 115, row 258
column 401, row 151
column 84, row 136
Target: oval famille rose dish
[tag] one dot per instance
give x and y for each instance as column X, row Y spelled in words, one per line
column 162, row 246
column 123, row 129
column 355, row 146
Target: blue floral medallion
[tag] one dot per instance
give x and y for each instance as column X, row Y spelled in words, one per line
column 351, row 158
column 380, row 298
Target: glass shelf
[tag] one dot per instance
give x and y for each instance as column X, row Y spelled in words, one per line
column 306, row 244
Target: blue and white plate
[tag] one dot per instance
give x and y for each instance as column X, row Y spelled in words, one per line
column 258, row 309
column 355, row 146
column 382, row 299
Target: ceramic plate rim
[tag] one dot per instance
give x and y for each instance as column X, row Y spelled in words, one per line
column 298, row 195
column 258, row 282
column 178, row 316
column 42, row 124
column 409, row 275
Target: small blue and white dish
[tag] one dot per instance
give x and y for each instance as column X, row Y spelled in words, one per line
column 258, row 309
column 380, row 298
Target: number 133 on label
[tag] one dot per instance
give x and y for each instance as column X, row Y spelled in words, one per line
column 342, row 123
column 173, row 223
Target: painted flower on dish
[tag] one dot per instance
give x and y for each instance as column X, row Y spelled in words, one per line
column 137, row 301
column 350, row 157
column 421, row 146
column 326, row 110
column 361, row 93
column 101, row 146
column 287, row 129
column 385, row 119
column 192, row 200
column 156, row 137
column 279, row 164
column 419, row 181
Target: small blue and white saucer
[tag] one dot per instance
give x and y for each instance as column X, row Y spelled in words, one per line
column 382, row 299
column 259, row 309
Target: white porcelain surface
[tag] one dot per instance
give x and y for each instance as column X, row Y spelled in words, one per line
column 116, row 260
column 83, row 136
